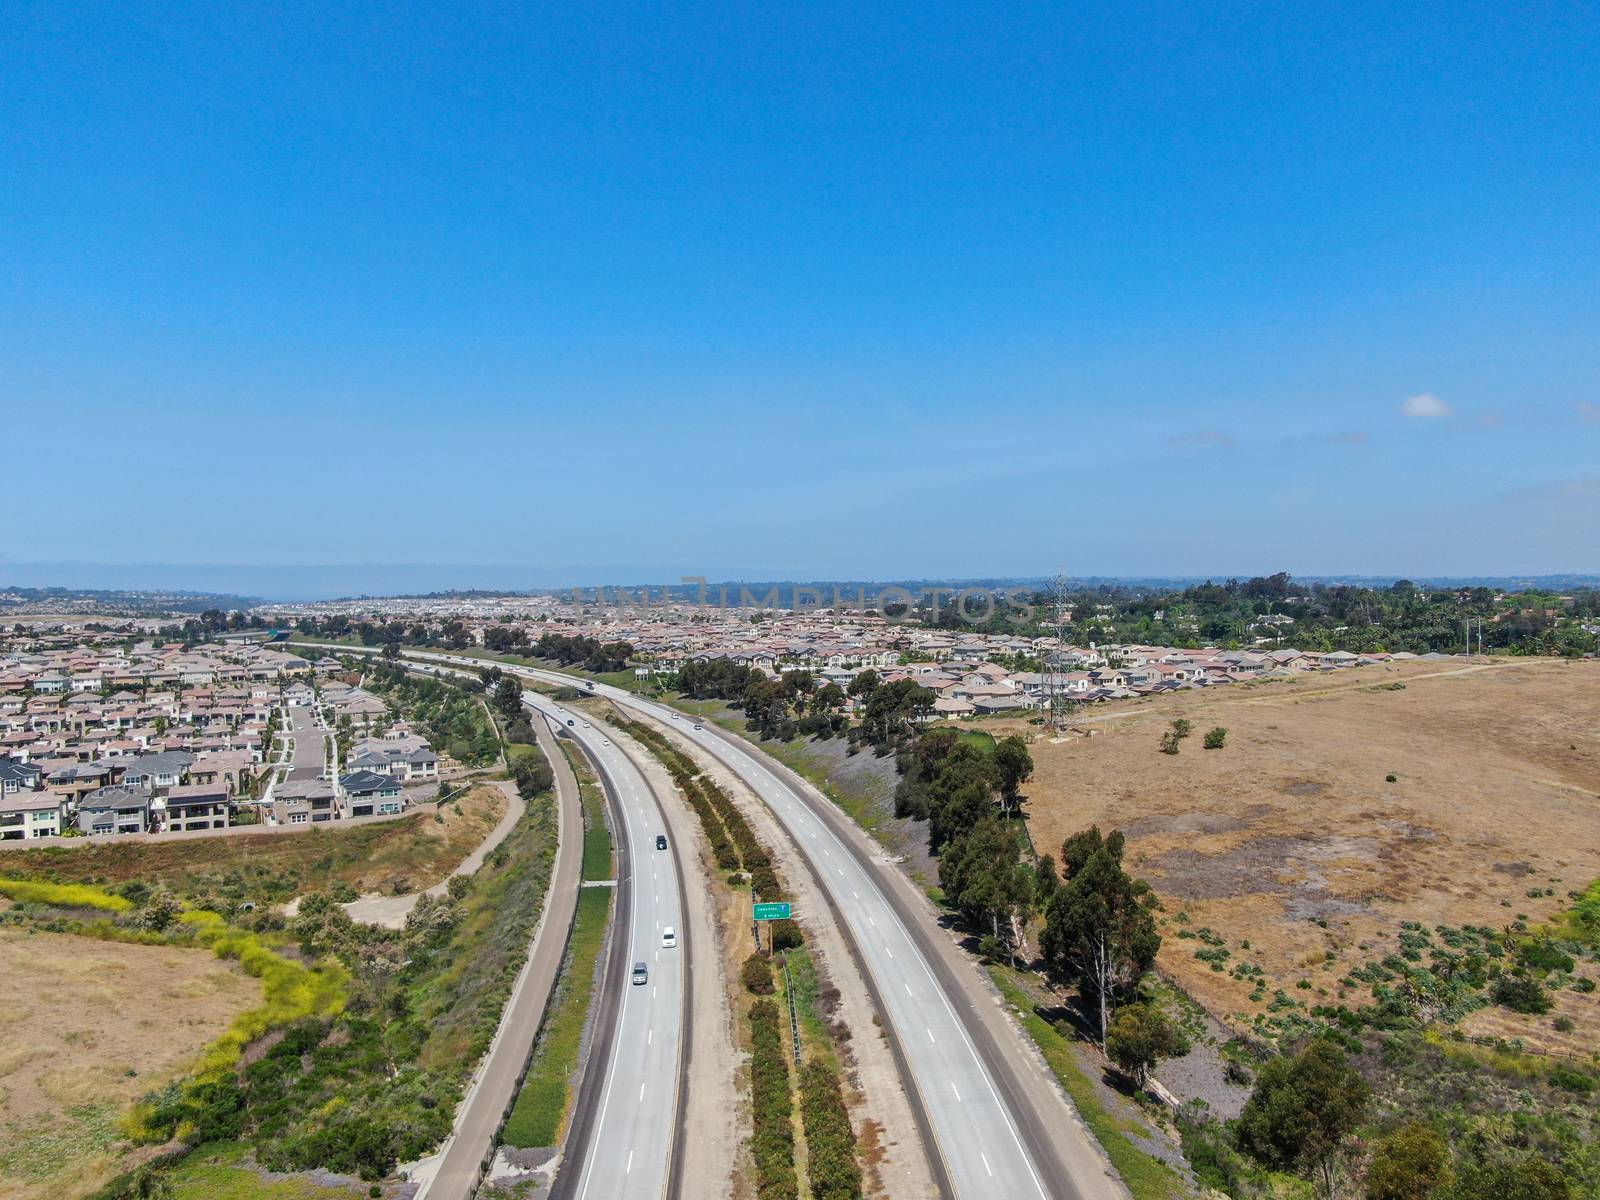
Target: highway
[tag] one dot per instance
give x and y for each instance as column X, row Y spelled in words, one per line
column 992, row 1130
column 623, row 1137
column 995, row 1125
column 622, row 1142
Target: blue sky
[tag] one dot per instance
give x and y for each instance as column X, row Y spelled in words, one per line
column 855, row 291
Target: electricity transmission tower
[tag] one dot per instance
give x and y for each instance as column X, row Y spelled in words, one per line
column 1052, row 678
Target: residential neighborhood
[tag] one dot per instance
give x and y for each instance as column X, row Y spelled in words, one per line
column 103, row 733
column 972, row 673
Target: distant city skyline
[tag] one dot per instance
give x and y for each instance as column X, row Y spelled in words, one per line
column 832, row 292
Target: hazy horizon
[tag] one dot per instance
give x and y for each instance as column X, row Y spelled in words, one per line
column 304, row 583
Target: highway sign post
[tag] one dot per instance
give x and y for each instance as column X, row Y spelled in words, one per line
column 775, row 911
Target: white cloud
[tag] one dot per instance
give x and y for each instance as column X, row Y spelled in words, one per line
column 1583, row 488
column 1425, row 405
column 1354, row 437
column 1200, row 439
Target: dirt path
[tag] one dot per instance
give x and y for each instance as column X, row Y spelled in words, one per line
column 896, row 1162
column 390, row 912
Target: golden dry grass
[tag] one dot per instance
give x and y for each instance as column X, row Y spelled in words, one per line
column 91, row 1026
column 1293, row 822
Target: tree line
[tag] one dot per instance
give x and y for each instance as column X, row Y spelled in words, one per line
column 1402, row 616
column 801, row 704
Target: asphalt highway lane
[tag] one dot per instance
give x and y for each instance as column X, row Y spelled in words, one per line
column 621, row 1145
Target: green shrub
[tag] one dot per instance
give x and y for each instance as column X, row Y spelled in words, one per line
column 772, row 1107
column 1216, row 737
column 1544, row 956
column 1520, row 994
column 1571, row 1079
column 831, row 1162
column 757, row 976
column 786, row 935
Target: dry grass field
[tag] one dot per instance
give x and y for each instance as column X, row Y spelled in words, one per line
column 1292, row 848
column 90, row 1027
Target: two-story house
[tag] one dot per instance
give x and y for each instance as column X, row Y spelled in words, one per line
column 115, row 809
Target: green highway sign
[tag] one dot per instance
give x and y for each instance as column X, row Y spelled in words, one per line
column 772, row 912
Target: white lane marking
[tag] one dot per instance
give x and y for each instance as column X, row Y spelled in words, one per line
column 983, row 1072
column 956, row 1090
column 649, row 1036
column 628, row 1170
column 855, row 893
column 907, row 987
column 929, row 1032
column 757, row 769
column 605, row 1099
column 641, row 1092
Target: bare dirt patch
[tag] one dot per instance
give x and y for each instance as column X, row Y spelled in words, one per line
column 92, row 1026
column 1292, row 838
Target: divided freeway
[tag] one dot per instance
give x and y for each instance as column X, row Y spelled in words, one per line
column 623, row 1139
column 995, row 1125
column 980, row 1145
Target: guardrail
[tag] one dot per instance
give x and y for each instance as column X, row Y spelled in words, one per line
column 794, row 1012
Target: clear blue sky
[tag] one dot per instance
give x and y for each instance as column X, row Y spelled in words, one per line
column 834, row 290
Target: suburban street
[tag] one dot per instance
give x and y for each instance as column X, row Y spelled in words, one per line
column 622, row 1140
column 310, row 743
